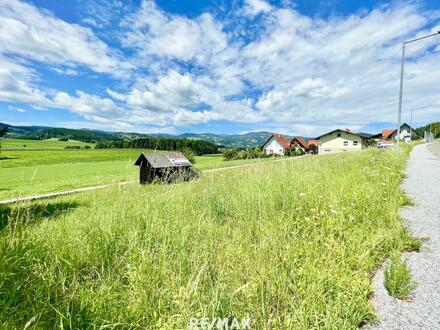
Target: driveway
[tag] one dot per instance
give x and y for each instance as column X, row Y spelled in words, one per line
column 423, row 220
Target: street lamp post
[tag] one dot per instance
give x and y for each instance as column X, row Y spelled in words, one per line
column 402, row 69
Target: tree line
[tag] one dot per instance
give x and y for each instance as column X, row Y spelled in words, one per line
column 199, row 147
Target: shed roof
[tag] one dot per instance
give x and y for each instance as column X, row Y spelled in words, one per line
column 159, row 160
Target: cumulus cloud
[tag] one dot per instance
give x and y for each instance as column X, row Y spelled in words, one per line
column 87, row 104
column 38, row 35
column 154, row 32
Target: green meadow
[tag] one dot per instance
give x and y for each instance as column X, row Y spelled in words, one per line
column 39, row 170
column 290, row 244
column 52, row 144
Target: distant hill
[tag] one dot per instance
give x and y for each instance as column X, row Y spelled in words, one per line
column 434, row 127
column 251, row 139
column 72, row 134
column 14, row 131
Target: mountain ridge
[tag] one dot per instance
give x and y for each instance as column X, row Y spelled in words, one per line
column 246, row 140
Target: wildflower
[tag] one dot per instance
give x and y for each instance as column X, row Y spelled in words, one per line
column 306, row 218
column 301, row 194
column 334, row 212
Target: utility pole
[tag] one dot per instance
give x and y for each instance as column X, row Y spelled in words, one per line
column 402, row 69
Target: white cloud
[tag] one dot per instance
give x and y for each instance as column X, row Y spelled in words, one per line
column 38, row 35
column 254, row 7
column 88, row 105
column 15, row 85
column 154, row 32
column 16, row 109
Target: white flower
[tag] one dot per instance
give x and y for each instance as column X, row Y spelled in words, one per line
column 301, row 194
column 334, row 212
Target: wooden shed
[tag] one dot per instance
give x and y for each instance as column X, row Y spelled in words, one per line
column 163, row 167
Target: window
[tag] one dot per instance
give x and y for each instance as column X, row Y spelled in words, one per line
column 355, row 143
column 338, row 135
column 345, row 143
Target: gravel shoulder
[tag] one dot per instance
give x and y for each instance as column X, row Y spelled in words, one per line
column 423, row 220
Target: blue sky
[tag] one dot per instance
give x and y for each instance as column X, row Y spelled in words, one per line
column 175, row 66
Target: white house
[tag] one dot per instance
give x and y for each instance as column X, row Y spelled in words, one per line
column 276, row 145
column 406, row 134
column 339, row 141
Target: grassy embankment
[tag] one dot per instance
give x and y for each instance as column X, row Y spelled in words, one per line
column 288, row 244
column 28, row 172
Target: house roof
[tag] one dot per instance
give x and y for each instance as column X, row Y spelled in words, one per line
column 310, row 142
column 387, row 132
column 281, row 139
column 341, row 130
column 159, row 160
column 300, row 141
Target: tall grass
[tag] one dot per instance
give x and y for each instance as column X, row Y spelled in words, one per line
column 289, row 244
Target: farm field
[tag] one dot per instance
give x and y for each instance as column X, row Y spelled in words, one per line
column 28, row 172
column 22, row 144
column 291, row 245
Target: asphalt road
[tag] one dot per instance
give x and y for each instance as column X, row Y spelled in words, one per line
column 423, row 220
column 435, row 148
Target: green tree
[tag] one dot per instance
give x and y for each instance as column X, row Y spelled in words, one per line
column 3, row 132
column 189, row 154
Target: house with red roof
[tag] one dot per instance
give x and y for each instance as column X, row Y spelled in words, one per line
column 407, row 133
column 306, row 146
column 276, row 144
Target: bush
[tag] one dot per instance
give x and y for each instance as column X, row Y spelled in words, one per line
column 230, row 154
column 398, row 279
column 251, row 153
column 63, row 139
column 72, row 147
column 298, row 152
column 87, row 147
column 189, row 154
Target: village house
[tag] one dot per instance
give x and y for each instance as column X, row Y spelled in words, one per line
column 310, row 146
column 406, row 134
column 340, row 140
column 276, row 144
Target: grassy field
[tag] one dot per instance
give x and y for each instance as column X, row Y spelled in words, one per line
column 292, row 245
column 53, row 144
column 26, row 172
